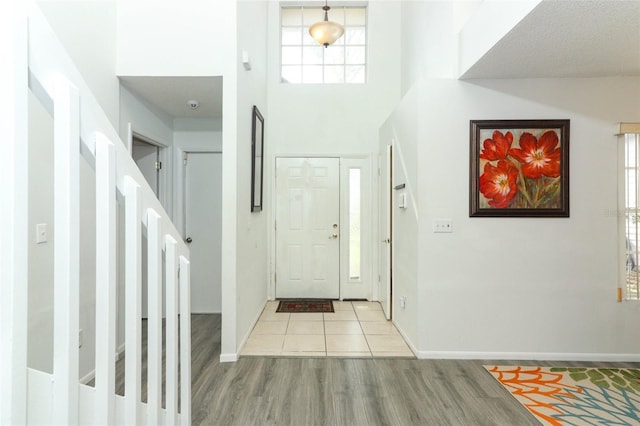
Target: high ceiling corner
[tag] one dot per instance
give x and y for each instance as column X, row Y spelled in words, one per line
column 567, row 38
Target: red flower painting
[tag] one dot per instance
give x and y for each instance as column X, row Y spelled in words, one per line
column 499, row 184
column 519, row 167
column 538, row 157
column 498, row 147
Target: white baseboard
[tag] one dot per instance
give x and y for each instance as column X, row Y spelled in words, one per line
column 88, row 377
column 228, row 357
column 120, row 352
column 534, row 356
column 253, row 324
column 234, row 356
column 406, row 339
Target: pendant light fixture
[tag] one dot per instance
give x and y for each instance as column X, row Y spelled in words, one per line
column 326, row 32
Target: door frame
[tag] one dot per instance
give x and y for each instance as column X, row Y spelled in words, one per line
column 164, row 155
column 372, row 268
column 385, row 185
column 179, row 199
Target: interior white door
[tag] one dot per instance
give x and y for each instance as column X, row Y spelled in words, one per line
column 146, row 157
column 385, row 187
column 203, row 229
column 307, row 228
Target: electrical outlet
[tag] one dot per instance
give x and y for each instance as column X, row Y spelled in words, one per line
column 403, row 302
column 442, row 226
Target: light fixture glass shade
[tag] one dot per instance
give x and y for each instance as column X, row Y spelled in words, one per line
column 326, row 32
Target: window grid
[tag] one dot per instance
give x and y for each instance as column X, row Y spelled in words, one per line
column 632, row 215
column 304, row 61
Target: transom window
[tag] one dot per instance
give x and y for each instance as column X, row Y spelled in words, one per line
column 307, row 62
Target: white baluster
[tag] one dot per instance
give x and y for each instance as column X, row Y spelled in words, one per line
column 133, row 290
column 105, row 280
column 185, row 342
column 14, row 215
column 172, row 328
column 67, row 251
column 154, row 323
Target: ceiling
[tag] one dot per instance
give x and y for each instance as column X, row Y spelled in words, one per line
column 560, row 38
column 170, row 94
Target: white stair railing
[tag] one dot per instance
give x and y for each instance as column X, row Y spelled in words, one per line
column 83, row 133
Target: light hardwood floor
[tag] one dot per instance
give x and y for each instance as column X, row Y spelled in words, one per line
column 341, row 391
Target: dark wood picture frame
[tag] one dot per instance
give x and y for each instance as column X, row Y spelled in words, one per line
column 519, row 168
column 257, row 159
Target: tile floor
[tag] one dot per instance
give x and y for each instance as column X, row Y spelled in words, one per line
column 355, row 329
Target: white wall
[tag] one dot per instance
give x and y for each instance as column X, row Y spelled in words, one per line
column 491, row 20
column 251, row 282
column 87, row 29
column 40, row 255
column 145, row 119
column 429, row 42
column 169, row 37
column 149, row 122
column 200, row 38
column 402, row 131
column 41, row 259
column 340, row 119
column 520, row 287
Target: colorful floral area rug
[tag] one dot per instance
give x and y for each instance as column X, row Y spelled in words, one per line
column 574, row 396
column 312, row 305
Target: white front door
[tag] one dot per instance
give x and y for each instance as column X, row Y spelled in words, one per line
column 203, row 229
column 385, row 230
column 307, row 228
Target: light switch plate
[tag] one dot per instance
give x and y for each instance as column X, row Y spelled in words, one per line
column 41, row 233
column 442, row 226
column 402, row 200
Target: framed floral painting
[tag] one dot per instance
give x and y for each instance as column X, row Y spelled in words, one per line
column 519, row 168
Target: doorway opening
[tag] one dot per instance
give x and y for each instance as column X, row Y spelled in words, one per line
column 147, row 157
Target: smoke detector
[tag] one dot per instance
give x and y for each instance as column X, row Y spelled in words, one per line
column 193, row 104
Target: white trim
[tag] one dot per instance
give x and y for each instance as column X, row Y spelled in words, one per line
column 361, row 288
column 229, row 357
column 406, row 338
column 534, row 356
column 88, row 377
column 14, row 171
column 626, row 128
column 246, row 337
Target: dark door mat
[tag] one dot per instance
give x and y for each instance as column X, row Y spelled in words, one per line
column 305, row 305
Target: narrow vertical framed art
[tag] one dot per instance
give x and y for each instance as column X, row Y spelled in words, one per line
column 257, row 159
column 519, row 168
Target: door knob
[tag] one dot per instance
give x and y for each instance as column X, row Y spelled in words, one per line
column 333, row 236
column 188, row 240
